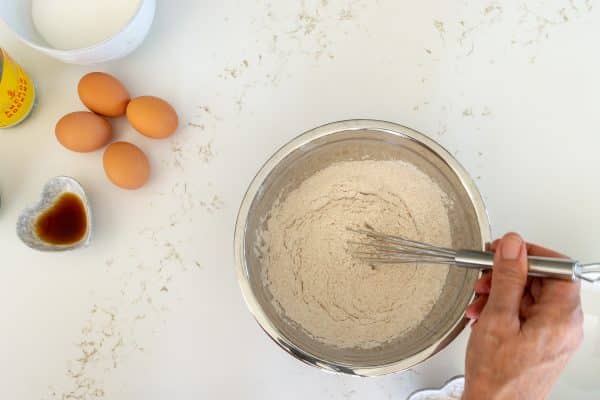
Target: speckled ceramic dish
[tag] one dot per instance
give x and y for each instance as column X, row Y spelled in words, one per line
column 52, row 190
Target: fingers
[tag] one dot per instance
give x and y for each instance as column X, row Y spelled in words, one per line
column 492, row 246
column 482, row 289
column 563, row 294
column 484, row 284
column 536, row 250
column 536, row 289
column 532, row 249
column 509, row 278
column 552, row 290
column 474, row 309
column 526, row 303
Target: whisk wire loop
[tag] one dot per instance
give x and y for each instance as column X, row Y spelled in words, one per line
column 380, row 248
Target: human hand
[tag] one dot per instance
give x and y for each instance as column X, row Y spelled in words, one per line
column 524, row 330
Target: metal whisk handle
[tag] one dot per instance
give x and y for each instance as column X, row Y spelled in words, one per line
column 543, row 267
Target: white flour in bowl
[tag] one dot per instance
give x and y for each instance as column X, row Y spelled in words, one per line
column 311, row 274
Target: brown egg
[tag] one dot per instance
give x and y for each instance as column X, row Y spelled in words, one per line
column 103, row 94
column 126, row 165
column 152, row 117
column 83, row 131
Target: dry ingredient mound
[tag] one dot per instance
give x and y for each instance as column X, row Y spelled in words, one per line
column 314, row 280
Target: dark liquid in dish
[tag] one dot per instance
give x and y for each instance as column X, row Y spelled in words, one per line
column 63, row 223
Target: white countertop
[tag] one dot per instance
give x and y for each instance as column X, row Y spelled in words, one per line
column 152, row 309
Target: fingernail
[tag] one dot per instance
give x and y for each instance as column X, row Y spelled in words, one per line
column 511, row 247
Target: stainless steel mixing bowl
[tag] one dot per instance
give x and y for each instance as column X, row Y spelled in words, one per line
column 359, row 140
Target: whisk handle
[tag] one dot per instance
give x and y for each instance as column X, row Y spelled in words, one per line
column 543, row 267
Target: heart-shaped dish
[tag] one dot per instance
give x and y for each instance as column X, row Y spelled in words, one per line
column 52, row 190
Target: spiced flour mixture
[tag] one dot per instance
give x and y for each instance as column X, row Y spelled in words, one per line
column 315, row 281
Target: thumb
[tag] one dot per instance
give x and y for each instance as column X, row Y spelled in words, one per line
column 509, row 277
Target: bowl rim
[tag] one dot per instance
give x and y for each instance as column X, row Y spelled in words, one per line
column 239, row 242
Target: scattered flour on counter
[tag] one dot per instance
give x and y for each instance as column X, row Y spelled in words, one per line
column 314, row 280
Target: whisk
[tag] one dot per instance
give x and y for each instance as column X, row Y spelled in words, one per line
column 380, row 248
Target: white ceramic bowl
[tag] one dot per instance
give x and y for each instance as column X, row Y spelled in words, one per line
column 16, row 14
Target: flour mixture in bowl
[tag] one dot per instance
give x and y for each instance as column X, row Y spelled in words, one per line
column 314, row 280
